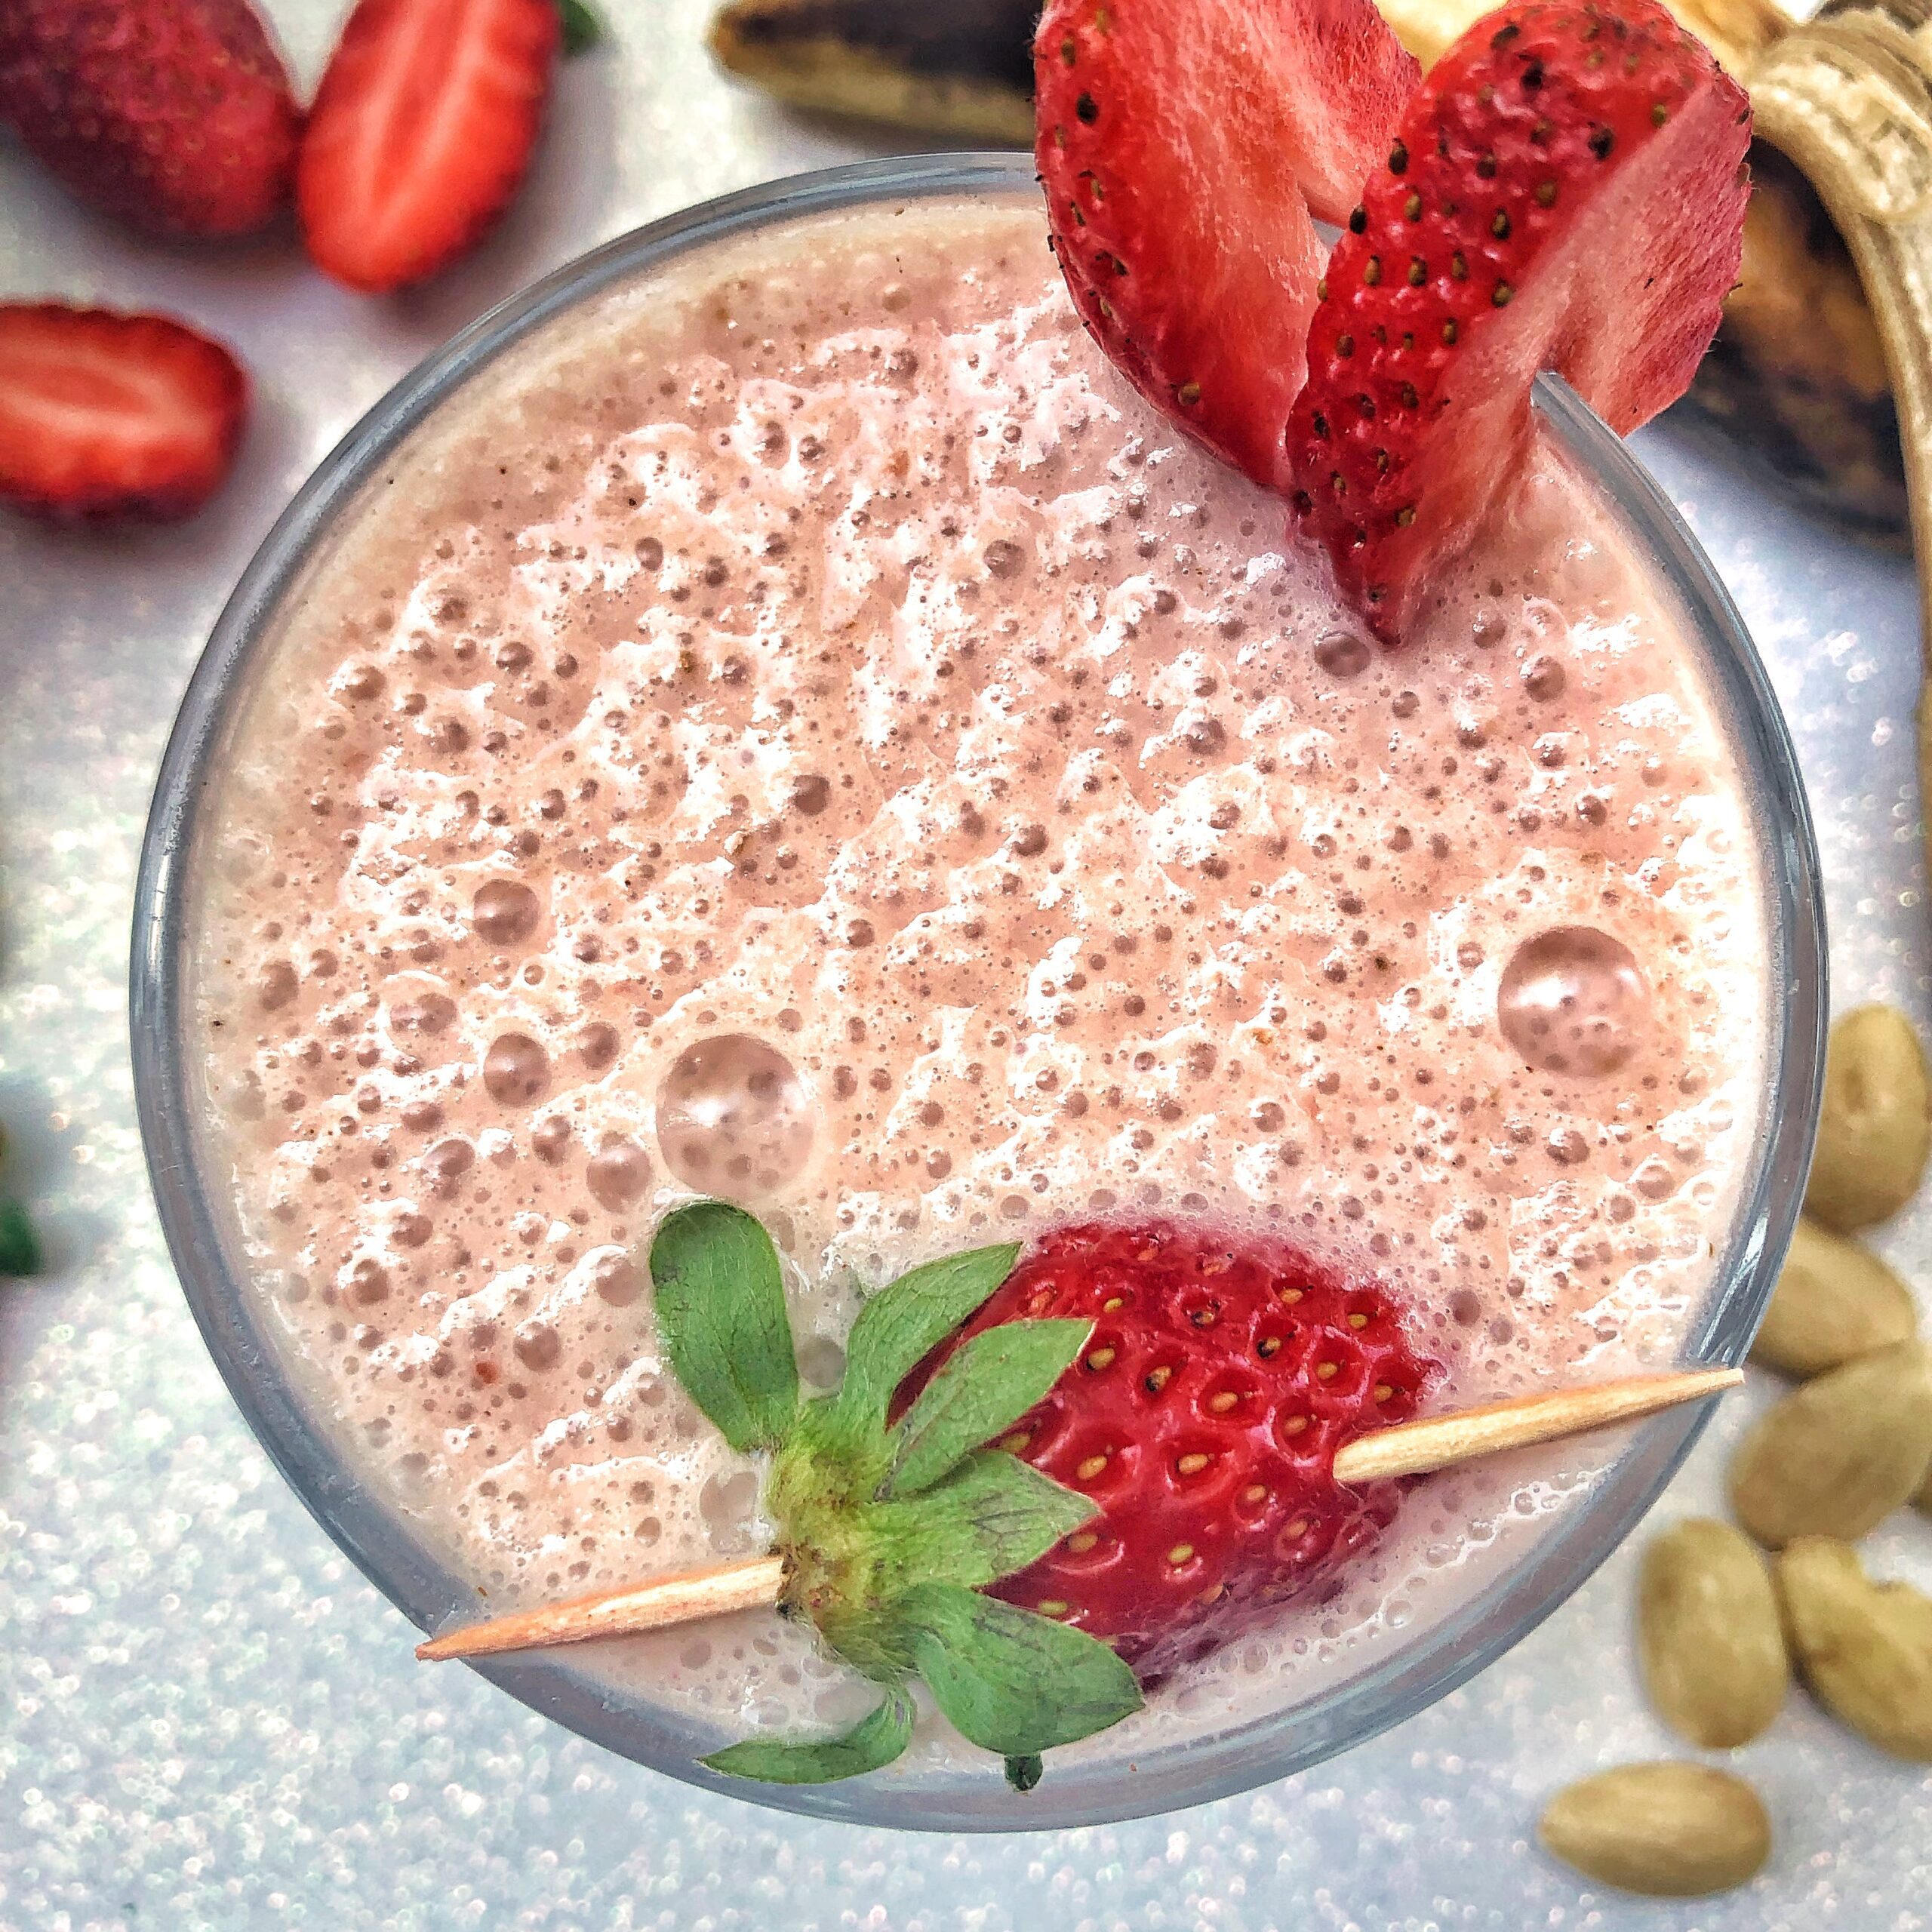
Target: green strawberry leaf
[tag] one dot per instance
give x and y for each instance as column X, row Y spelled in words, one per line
column 902, row 1324
column 873, row 1741
column 720, row 1310
column 1009, row 1681
column 583, row 30
column 992, row 1380
column 20, row 1246
column 990, row 1516
column 1023, row 1773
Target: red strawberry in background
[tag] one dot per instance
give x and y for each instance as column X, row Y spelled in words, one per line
column 1182, row 146
column 1202, row 1417
column 104, row 415
column 174, row 115
column 421, row 132
column 1566, row 192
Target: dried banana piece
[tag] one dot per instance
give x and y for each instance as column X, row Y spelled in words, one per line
column 963, row 68
column 1796, row 378
column 1848, row 96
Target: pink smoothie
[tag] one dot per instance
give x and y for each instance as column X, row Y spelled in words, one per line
column 801, row 729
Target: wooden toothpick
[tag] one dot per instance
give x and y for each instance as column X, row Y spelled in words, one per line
column 1440, row 1442
column 1412, row 1448
column 753, row 1584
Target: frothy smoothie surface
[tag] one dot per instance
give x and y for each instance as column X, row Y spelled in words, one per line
column 801, row 729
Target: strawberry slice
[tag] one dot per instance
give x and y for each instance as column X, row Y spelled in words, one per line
column 1566, row 192
column 1182, row 145
column 104, row 415
column 421, row 132
column 174, row 115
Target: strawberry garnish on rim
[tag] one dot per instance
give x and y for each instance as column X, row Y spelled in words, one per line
column 1565, row 192
column 104, row 415
column 174, row 115
column 1201, row 1419
column 421, row 132
column 1182, row 146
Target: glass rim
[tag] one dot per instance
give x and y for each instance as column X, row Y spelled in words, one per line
column 378, row 1537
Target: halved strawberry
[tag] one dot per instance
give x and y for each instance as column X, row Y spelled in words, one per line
column 1182, row 145
column 1566, row 192
column 420, row 134
column 106, row 415
column 174, row 115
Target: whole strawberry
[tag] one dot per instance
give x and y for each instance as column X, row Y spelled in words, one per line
column 1122, row 1457
column 1182, row 146
column 1566, row 193
column 174, row 115
column 1201, row 1419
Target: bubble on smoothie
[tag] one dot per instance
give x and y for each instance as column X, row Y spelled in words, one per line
column 1573, row 1000
column 598, row 1045
column 447, row 1163
column 810, row 794
column 536, row 1344
column 368, row 1281
column 1342, row 654
column 428, row 1013
column 617, row 1279
column 733, row 1118
column 516, row 1070
column 277, row 986
column 619, row 1172
column 504, row 912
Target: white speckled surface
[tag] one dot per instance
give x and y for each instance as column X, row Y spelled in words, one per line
column 210, row 1720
